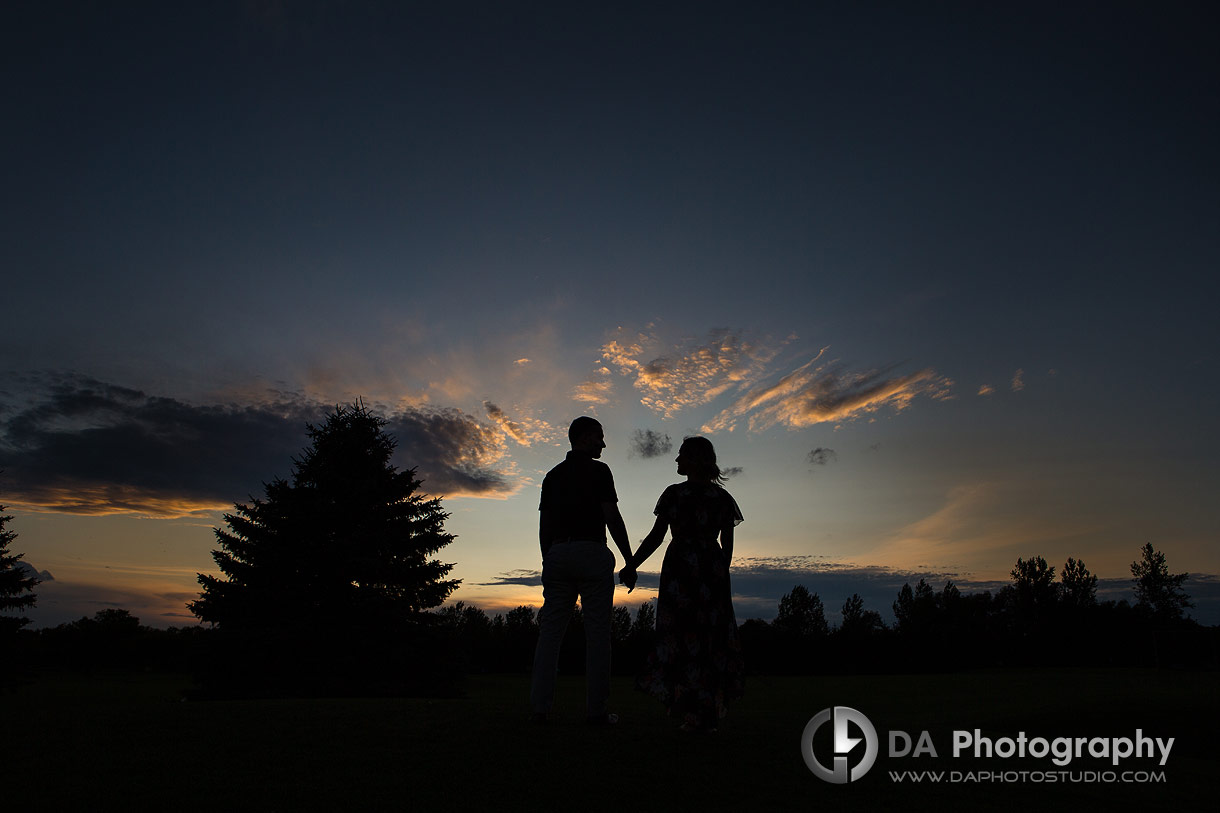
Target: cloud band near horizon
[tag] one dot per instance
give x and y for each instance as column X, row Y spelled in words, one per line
column 90, row 447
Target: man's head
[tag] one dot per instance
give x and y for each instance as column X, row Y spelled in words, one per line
column 586, row 435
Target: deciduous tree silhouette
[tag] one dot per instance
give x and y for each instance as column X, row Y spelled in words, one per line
column 521, row 621
column 1078, row 586
column 16, row 584
column 857, row 621
column 347, row 541
column 1158, row 593
column 915, row 610
column 802, row 614
column 1034, row 580
column 620, row 624
column 1032, row 596
column 645, row 619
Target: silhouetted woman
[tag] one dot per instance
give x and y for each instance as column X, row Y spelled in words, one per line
column 696, row 668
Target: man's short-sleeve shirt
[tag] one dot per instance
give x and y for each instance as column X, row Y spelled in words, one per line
column 573, row 492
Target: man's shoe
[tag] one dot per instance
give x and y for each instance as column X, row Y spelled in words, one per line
column 539, row 718
column 602, row 719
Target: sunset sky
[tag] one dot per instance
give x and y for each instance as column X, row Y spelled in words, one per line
column 933, row 281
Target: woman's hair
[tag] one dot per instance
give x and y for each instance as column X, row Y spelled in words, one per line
column 701, row 459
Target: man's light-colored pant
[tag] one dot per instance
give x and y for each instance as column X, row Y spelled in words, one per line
column 569, row 569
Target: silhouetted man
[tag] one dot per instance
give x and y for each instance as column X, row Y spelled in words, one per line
column 578, row 504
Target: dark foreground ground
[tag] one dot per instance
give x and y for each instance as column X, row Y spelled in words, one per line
column 120, row 741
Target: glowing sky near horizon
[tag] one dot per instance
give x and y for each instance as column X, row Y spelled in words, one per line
column 931, row 280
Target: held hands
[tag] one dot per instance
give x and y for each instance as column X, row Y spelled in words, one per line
column 627, row 577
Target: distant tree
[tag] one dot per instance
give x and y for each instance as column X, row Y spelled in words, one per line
column 521, row 620
column 1078, row 586
column 519, row 638
column 16, row 583
column 114, row 621
column 345, row 543
column 645, row 620
column 950, row 595
column 1158, row 593
column 802, row 614
column 620, row 624
column 857, row 621
column 641, row 638
column 915, row 610
column 1034, row 580
column 465, row 619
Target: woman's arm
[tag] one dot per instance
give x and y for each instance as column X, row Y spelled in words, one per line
column 651, row 542
column 726, row 543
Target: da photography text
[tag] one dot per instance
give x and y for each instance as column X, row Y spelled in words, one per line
column 855, row 744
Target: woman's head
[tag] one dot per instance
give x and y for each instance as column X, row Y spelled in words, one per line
column 697, row 459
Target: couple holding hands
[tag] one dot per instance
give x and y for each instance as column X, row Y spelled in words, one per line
column 696, row 667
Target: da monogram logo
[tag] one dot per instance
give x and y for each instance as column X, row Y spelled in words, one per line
column 840, row 717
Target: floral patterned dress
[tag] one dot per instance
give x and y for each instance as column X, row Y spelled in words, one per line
column 696, row 668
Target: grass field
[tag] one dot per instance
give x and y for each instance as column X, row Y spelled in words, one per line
column 119, row 741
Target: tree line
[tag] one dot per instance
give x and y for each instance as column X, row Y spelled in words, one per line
column 329, row 582
column 1034, row 620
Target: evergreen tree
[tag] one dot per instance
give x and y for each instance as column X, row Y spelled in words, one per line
column 1157, row 592
column 346, row 543
column 16, row 585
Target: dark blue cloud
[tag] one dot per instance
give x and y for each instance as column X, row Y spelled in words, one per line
column 86, row 446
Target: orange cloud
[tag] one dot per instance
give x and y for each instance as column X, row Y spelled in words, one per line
column 690, row 374
column 110, row 499
column 525, row 431
column 813, row 395
column 595, row 391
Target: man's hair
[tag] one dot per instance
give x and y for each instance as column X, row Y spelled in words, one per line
column 581, row 427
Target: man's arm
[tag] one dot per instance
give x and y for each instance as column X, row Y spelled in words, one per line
column 546, row 530
column 617, row 529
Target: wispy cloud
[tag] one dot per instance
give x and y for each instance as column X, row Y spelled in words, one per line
column 597, row 390
column 986, row 389
column 692, row 372
column 648, row 444
column 984, row 526
column 1018, row 381
column 829, row 393
column 525, row 431
column 89, row 447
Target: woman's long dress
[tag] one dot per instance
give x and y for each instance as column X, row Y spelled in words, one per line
column 696, row 668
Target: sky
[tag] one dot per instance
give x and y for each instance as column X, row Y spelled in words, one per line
column 932, row 278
